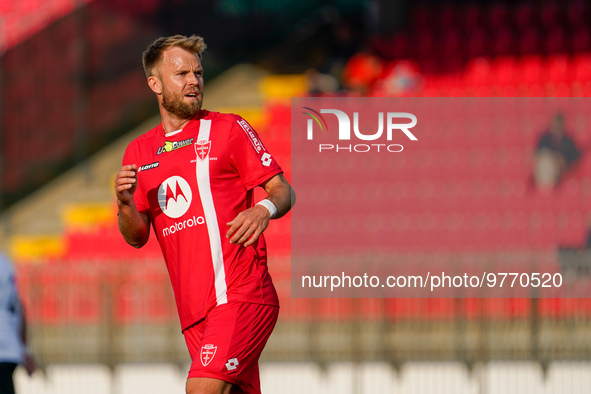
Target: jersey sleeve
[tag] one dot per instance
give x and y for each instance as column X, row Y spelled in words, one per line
column 138, row 197
column 249, row 156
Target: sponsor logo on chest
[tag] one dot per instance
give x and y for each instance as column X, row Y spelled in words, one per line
column 174, row 198
column 170, row 146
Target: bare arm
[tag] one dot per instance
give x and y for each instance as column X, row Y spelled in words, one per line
column 133, row 225
column 247, row 226
column 281, row 194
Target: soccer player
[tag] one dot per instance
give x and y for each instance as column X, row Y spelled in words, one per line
column 13, row 330
column 191, row 178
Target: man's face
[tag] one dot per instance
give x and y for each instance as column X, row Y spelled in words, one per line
column 181, row 75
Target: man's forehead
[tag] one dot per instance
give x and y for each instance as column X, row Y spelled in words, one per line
column 178, row 57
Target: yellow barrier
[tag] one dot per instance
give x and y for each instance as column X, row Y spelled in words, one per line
column 34, row 248
column 274, row 87
column 83, row 215
column 253, row 115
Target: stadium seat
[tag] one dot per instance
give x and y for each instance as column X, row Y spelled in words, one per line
column 556, row 40
column 503, row 41
column 550, row 14
column 576, row 13
column 530, row 70
column 478, row 73
column 395, row 47
column 498, row 16
column 421, row 18
column 479, row 43
column 472, row 17
column 582, row 68
column 581, row 40
column 529, row 41
column 425, row 45
column 448, row 17
column 451, row 46
column 399, row 46
column 523, row 15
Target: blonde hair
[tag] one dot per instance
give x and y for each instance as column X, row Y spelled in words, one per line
column 153, row 53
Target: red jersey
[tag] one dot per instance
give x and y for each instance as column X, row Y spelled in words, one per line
column 191, row 183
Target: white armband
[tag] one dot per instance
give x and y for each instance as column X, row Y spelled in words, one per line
column 269, row 205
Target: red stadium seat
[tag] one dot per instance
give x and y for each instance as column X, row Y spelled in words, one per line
column 523, row 15
column 396, row 47
column 472, row 17
column 450, row 44
column 498, row 16
column 556, row 40
column 503, row 71
column 550, row 14
column 581, row 40
column 503, row 41
column 576, row 13
column 530, row 70
column 425, row 45
column 478, row 73
column 559, row 90
column 421, row 18
column 582, row 68
column 559, row 69
column 529, row 41
column 478, row 43
column 448, row 17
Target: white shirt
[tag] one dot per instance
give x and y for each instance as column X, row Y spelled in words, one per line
column 11, row 347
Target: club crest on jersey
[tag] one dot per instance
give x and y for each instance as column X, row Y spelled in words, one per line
column 207, row 354
column 202, row 149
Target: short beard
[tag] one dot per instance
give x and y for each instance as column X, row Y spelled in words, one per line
column 175, row 105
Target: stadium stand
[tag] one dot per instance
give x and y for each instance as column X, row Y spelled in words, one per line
column 20, row 20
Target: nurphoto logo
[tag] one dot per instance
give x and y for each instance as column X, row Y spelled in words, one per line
column 390, row 119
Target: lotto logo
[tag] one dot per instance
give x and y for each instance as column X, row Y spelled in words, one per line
column 266, row 159
column 232, row 364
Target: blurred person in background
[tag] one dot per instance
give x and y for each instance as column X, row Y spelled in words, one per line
column 320, row 84
column 13, row 329
column 192, row 178
column 555, row 154
column 361, row 72
column 401, row 80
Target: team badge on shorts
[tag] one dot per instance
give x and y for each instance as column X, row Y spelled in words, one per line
column 207, row 354
column 202, row 149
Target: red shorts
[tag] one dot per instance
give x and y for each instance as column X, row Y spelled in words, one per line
column 227, row 344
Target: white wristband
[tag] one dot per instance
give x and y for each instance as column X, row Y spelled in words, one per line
column 269, row 205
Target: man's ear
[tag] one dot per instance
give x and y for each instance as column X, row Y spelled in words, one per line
column 155, row 84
